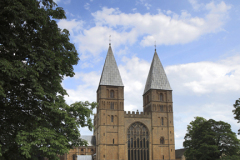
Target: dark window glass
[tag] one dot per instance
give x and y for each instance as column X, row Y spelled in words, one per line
column 111, row 94
column 112, row 105
column 138, row 143
column 161, row 108
column 161, row 97
column 112, row 117
column 161, row 140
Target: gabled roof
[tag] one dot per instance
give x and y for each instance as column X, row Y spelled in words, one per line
column 110, row 73
column 179, row 152
column 90, row 139
column 157, row 78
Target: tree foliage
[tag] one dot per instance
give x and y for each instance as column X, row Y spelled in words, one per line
column 236, row 112
column 35, row 55
column 210, row 140
column 234, row 157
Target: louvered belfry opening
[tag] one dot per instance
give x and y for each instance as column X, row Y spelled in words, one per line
column 138, row 142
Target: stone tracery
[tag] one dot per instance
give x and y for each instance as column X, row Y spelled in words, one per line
column 138, row 142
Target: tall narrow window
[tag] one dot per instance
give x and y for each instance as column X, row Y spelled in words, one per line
column 161, row 97
column 113, row 141
column 161, row 140
column 111, row 94
column 162, row 121
column 112, row 117
column 112, row 105
column 138, row 142
column 162, row 157
column 161, row 108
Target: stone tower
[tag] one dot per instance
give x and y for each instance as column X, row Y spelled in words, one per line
column 122, row 135
column 157, row 100
column 109, row 120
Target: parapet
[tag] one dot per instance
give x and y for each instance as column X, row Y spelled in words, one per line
column 137, row 114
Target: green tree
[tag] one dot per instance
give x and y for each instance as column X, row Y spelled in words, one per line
column 35, row 55
column 234, row 157
column 236, row 112
column 209, row 140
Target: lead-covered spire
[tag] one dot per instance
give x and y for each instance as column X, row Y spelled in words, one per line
column 110, row 73
column 157, row 78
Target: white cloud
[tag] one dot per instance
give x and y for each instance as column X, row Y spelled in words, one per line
column 196, row 6
column 133, row 73
column 166, row 28
column 64, row 1
column 86, row 6
column 144, row 3
column 86, row 91
column 88, row 39
column 147, row 5
column 56, row 1
column 67, row 1
column 72, row 25
column 206, row 77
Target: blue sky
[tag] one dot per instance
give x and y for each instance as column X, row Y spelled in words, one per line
column 197, row 42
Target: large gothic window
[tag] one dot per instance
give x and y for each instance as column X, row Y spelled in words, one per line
column 138, row 142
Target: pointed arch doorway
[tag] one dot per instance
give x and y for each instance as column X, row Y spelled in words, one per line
column 138, row 142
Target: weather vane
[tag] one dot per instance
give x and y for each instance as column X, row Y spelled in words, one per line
column 109, row 39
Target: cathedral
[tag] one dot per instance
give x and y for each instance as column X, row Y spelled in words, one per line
column 121, row 135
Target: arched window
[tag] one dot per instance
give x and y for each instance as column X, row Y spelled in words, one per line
column 138, row 142
column 112, row 118
column 112, row 105
column 161, row 140
column 161, row 108
column 111, row 94
column 161, row 97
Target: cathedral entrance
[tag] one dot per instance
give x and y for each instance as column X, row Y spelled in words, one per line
column 138, row 142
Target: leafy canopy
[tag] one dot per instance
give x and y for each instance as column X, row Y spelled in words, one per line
column 210, row 140
column 35, row 56
column 236, row 112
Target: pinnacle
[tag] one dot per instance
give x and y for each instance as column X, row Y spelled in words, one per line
column 157, row 78
column 110, row 73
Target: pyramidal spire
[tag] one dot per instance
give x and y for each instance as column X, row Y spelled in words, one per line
column 110, row 73
column 157, row 78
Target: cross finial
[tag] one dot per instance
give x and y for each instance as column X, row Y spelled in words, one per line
column 109, row 40
column 155, row 45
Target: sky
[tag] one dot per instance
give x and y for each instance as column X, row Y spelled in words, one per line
column 196, row 41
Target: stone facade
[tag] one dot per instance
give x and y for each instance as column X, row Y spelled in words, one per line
column 122, row 135
column 112, row 122
column 111, row 133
